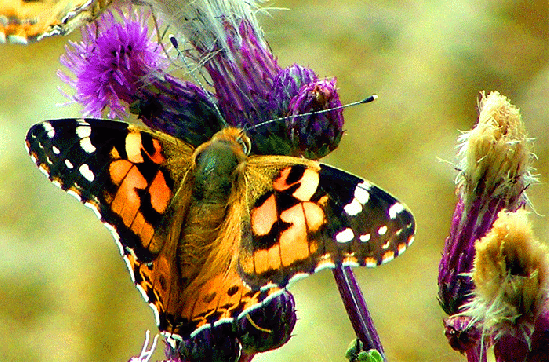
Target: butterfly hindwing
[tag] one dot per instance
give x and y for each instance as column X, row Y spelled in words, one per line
column 312, row 216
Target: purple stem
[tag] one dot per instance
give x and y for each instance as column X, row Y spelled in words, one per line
column 357, row 310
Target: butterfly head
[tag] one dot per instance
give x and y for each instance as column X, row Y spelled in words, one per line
column 234, row 138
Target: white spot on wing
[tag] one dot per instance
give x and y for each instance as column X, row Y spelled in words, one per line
column 156, row 314
column 142, row 291
column 411, row 240
column 86, row 172
column 116, row 237
column 50, row 131
column 364, row 238
column 74, row 194
column 130, row 269
column 350, row 263
column 55, row 150
column 395, row 210
column 44, row 171
column 325, row 265
column 86, row 145
column 95, row 209
column 69, row 164
column 353, row 208
column 371, row 264
column 382, row 230
column 83, row 131
column 345, row 236
column 361, row 192
column 297, row 277
column 387, row 258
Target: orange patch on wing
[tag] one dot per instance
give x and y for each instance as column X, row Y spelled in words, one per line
column 294, row 243
column 157, row 156
column 115, row 154
column 308, row 185
column 350, row 259
column 264, row 217
column 214, row 297
column 314, row 216
column 118, row 170
column 160, row 193
column 246, row 262
column 134, row 146
column 142, row 228
column 126, row 202
column 280, row 183
column 268, row 259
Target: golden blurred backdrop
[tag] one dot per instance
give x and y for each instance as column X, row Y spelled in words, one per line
column 65, row 294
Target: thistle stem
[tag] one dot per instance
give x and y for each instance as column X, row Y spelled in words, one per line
column 357, row 310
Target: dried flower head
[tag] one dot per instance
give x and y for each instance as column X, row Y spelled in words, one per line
column 511, row 276
column 495, row 170
column 495, row 157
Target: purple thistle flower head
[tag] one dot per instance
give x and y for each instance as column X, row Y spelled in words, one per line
column 112, row 62
column 316, row 134
column 252, row 89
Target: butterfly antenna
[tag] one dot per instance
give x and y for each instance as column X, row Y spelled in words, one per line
column 362, row 101
column 192, row 72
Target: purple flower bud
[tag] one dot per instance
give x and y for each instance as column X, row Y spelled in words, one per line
column 268, row 327
column 243, row 76
column 179, row 108
column 216, row 343
column 314, row 135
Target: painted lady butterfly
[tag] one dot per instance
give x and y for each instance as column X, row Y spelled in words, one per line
column 23, row 21
column 209, row 233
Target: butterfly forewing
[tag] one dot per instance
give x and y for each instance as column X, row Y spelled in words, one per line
column 313, row 216
column 116, row 169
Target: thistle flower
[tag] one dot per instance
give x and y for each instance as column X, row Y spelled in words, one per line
column 319, row 132
column 511, row 276
column 495, row 170
column 118, row 63
column 111, row 63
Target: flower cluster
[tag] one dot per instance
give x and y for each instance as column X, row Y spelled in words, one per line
column 493, row 276
column 120, row 67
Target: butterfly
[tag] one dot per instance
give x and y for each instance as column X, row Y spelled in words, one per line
column 28, row 21
column 211, row 233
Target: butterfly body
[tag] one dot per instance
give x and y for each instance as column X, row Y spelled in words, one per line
column 210, row 233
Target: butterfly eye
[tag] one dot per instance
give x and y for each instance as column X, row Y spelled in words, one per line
column 245, row 143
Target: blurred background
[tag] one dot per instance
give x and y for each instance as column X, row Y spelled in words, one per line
column 65, row 293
